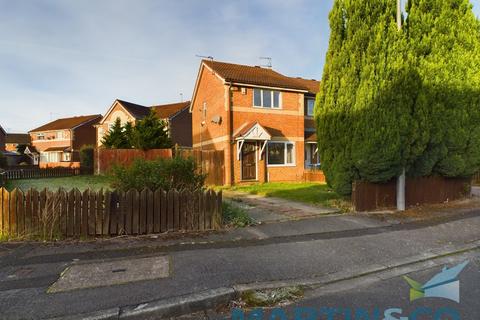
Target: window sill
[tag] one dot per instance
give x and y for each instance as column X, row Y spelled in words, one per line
column 280, row 165
column 266, row 108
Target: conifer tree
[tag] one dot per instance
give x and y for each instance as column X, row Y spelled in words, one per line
column 364, row 109
column 151, row 133
column 116, row 137
column 394, row 99
column 444, row 36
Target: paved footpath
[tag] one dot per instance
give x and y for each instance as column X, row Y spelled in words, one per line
column 289, row 251
column 271, row 209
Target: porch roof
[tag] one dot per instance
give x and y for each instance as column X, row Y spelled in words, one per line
column 253, row 131
column 311, row 137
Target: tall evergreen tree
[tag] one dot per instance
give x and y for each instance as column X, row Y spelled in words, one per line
column 116, row 137
column 151, row 133
column 382, row 106
column 364, row 109
column 444, row 36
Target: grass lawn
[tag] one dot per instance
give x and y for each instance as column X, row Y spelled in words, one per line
column 80, row 182
column 311, row 193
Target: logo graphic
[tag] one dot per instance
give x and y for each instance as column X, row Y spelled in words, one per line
column 443, row 285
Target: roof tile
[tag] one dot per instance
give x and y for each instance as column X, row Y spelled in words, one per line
column 67, row 123
column 260, row 76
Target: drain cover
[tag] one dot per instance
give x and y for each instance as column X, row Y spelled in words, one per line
column 107, row 273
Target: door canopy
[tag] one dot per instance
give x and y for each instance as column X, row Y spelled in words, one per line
column 252, row 132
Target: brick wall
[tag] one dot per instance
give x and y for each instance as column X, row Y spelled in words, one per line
column 83, row 135
column 50, row 140
column 285, row 124
column 181, row 128
column 210, row 91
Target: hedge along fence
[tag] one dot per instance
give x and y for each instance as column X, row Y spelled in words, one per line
column 210, row 162
column 104, row 159
column 61, row 214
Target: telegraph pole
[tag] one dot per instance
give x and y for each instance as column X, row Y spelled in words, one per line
column 401, row 179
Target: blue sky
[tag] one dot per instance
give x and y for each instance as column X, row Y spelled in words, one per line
column 62, row 58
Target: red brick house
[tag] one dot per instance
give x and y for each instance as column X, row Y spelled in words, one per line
column 263, row 121
column 177, row 116
column 59, row 142
column 3, row 134
column 13, row 140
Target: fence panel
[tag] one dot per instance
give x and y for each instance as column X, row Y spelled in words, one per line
column 476, row 179
column 209, row 162
column 368, row 196
column 38, row 173
column 70, row 214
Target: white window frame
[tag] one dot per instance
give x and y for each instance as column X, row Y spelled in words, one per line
column 285, row 143
column 60, row 135
column 313, row 111
column 271, row 97
column 308, row 152
column 40, row 136
column 67, row 157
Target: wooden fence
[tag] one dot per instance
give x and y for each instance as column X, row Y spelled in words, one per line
column 74, row 214
column 105, row 158
column 37, row 173
column 476, row 179
column 368, row 196
column 209, row 162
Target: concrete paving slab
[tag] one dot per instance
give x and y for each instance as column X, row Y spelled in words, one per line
column 476, row 191
column 100, row 274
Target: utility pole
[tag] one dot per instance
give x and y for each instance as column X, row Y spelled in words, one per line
column 401, row 179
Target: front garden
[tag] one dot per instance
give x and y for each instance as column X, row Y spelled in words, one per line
column 80, row 182
column 310, row 193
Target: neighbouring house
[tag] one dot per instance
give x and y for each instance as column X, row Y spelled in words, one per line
column 13, row 140
column 3, row 134
column 58, row 143
column 177, row 115
column 263, row 121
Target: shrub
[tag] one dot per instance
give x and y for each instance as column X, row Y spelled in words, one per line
column 166, row 174
column 86, row 156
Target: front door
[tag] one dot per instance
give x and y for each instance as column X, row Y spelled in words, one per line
column 249, row 161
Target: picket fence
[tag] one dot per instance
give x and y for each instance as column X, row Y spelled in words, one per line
column 75, row 214
column 37, row 173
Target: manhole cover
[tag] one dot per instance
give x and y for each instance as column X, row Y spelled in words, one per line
column 108, row 273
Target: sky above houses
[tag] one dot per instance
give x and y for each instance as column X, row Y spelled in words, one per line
column 61, row 58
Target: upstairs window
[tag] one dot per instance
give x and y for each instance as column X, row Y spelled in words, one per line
column 59, row 135
column 266, row 98
column 310, row 107
column 40, row 136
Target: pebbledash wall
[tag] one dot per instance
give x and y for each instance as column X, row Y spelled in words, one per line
column 235, row 107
